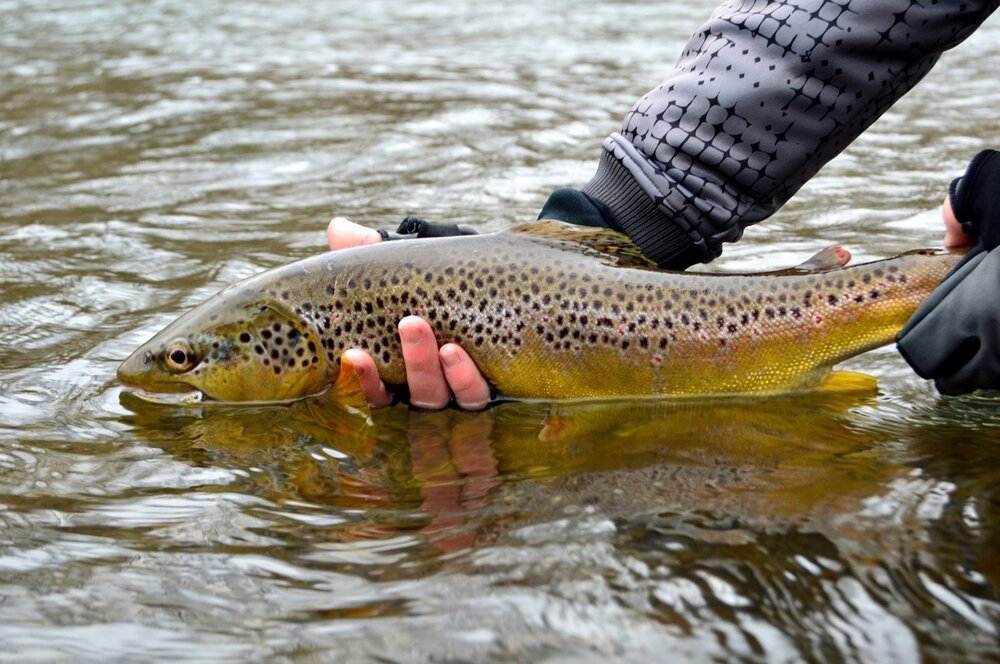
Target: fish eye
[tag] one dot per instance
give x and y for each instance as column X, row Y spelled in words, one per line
column 179, row 356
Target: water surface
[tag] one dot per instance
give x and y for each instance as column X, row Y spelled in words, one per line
column 153, row 152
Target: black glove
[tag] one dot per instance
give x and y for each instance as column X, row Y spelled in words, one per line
column 954, row 337
column 575, row 207
column 413, row 228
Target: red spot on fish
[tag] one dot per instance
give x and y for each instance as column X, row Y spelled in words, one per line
column 506, row 327
column 847, row 296
column 818, row 319
column 576, row 348
column 703, row 337
column 756, row 331
column 621, row 330
column 657, row 358
column 545, row 319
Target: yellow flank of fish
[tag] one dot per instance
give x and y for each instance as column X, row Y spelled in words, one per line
column 546, row 311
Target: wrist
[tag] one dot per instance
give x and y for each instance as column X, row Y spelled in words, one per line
column 629, row 209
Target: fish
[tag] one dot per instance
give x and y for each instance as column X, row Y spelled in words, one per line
column 547, row 311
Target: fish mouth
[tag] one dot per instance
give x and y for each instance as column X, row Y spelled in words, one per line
column 188, row 397
column 180, row 394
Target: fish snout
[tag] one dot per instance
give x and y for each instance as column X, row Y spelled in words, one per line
column 141, row 370
column 137, row 365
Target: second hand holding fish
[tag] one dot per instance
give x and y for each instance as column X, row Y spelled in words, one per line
column 432, row 374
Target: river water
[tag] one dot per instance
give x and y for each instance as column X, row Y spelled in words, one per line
column 153, row 152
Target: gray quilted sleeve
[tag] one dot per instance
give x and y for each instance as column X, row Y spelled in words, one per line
column 764, row 94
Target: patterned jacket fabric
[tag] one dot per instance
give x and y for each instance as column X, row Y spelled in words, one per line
column 764, row 94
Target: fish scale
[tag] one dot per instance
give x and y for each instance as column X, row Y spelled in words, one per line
column 546, row 312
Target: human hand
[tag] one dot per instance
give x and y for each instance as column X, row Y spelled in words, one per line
column 433, row 374
column 954, row 337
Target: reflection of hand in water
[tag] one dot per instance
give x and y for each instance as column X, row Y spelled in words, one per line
column 453, row 463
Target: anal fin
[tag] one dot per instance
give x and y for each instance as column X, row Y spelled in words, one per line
column 847, row 381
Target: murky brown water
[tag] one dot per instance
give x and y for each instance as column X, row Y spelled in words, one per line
column 153, row 152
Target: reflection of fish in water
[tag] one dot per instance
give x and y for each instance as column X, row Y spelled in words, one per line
column 547, row 311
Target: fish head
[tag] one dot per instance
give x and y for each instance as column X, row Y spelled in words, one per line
column 232, row 349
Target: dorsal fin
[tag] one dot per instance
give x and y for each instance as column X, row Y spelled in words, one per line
column 610, row 244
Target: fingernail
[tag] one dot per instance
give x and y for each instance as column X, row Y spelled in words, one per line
column 450, row 357
column 411, row 336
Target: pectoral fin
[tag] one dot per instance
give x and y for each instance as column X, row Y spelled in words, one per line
column 344, row 399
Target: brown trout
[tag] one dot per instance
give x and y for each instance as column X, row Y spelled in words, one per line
column 547, row 311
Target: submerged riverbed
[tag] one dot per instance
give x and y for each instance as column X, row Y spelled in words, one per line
column 154, row 152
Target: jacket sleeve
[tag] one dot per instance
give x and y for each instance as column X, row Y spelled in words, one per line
column 765, row 93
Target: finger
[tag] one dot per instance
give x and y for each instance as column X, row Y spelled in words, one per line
column 472, row 392
column 342, row 234
column 372, row 386
column 954, row 236
column 428, row 388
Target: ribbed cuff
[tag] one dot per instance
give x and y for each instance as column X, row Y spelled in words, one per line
column 637, row 215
